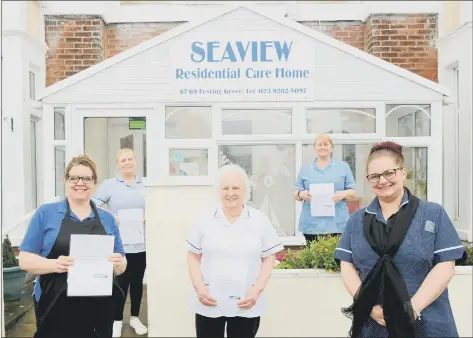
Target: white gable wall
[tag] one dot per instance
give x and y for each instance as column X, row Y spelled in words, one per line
column 339, row 75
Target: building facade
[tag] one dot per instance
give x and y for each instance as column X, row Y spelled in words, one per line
column 72, row 37
column 455, row 67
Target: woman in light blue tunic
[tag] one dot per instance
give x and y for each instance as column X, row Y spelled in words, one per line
column 126, row 191
column 324, row 169
column 397, row 257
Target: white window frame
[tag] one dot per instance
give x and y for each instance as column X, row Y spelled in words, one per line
column 50, row 143
column 80, row 112
column 456, row 89
column 298, row 138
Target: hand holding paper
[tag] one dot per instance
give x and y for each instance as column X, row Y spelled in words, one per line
column 92, row 272
column 131, row 226
column 250, row 299
column 322, row 204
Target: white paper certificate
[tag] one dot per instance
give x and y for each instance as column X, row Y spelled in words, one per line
column 322, row 203
column 228, row 286
column 131, row 226
column 91, row 274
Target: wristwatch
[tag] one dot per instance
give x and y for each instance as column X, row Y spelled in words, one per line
column 298, row 192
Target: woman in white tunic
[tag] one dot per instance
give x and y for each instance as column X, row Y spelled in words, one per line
column 231, row 255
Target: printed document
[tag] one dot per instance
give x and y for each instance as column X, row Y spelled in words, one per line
column 131, row 226
column 91, row 274
column 322, row 203
column 228, row 286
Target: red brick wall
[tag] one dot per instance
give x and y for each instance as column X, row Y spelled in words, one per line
column 78, row 42
column 120, row 37
column 75, row 43
column 350, row 32
column 407, row 41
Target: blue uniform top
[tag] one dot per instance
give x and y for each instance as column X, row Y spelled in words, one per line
column 430, row 239
column 44, row 229
column 337, row 172
column 118, row 195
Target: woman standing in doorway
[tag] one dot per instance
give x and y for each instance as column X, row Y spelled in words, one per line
column 122, row 193
column 45, row 252
column 397, row 257
column 324, row 169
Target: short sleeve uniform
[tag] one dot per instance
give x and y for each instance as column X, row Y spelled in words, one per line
column 118, row 195
column 337, row 172
column 430, row 239
column 44, row 229
column 242, row 243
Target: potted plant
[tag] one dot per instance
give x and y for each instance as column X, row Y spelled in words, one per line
column 13, row 276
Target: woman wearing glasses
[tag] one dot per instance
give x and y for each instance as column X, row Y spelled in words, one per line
column 397, row 257
column 122, row 194
column 45, row 252
column 324, row 169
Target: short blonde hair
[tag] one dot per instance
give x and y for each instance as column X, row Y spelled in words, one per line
column 323, row 137
column 124, row 150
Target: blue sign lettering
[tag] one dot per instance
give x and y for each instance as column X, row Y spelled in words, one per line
column 237, row 51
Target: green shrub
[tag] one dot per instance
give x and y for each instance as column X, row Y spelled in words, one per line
column 469, row 252
column 318, row 255
column 9, row 258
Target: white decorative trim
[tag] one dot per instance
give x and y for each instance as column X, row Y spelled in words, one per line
column 448, row 249
column 344, row 250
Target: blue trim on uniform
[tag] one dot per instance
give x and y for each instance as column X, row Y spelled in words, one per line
column 272, row 247
column 121, row 179
column 194, row 246
column 218, row 212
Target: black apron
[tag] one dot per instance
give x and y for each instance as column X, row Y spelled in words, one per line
column 61, row 316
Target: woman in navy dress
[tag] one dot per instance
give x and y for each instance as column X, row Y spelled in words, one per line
column 397, row 257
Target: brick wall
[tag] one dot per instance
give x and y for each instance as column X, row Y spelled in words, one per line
column 78, row 42
column 407, row 41
column 350, row 32
column 121, row 37
column 75, row 43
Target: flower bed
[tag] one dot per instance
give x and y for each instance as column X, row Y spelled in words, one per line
column 319, row 255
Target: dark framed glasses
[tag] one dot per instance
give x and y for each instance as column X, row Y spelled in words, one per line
column 388, row 174
column 76, row 179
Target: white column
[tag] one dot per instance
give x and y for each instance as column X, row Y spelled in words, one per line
column 434, row 156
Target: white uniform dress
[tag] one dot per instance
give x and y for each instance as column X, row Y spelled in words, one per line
column 240, row 245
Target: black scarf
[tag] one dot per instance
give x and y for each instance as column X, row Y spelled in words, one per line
column 384, row 285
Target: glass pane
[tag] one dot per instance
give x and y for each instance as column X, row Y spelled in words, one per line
column 271, row 168
column 59, row 124
column 188, row 122
column 356, row 156
column 32, row 86
column 407, row 120
column 256, row 121
column 59, row 169
column 188, row 162
column 104, row 136
column 34, row 172
column 415, row 161
column 341, row 121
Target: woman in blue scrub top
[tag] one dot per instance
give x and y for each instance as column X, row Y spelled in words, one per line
column 126, row 191
column 45, row 252
column 397, row 257
column 324, row 169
